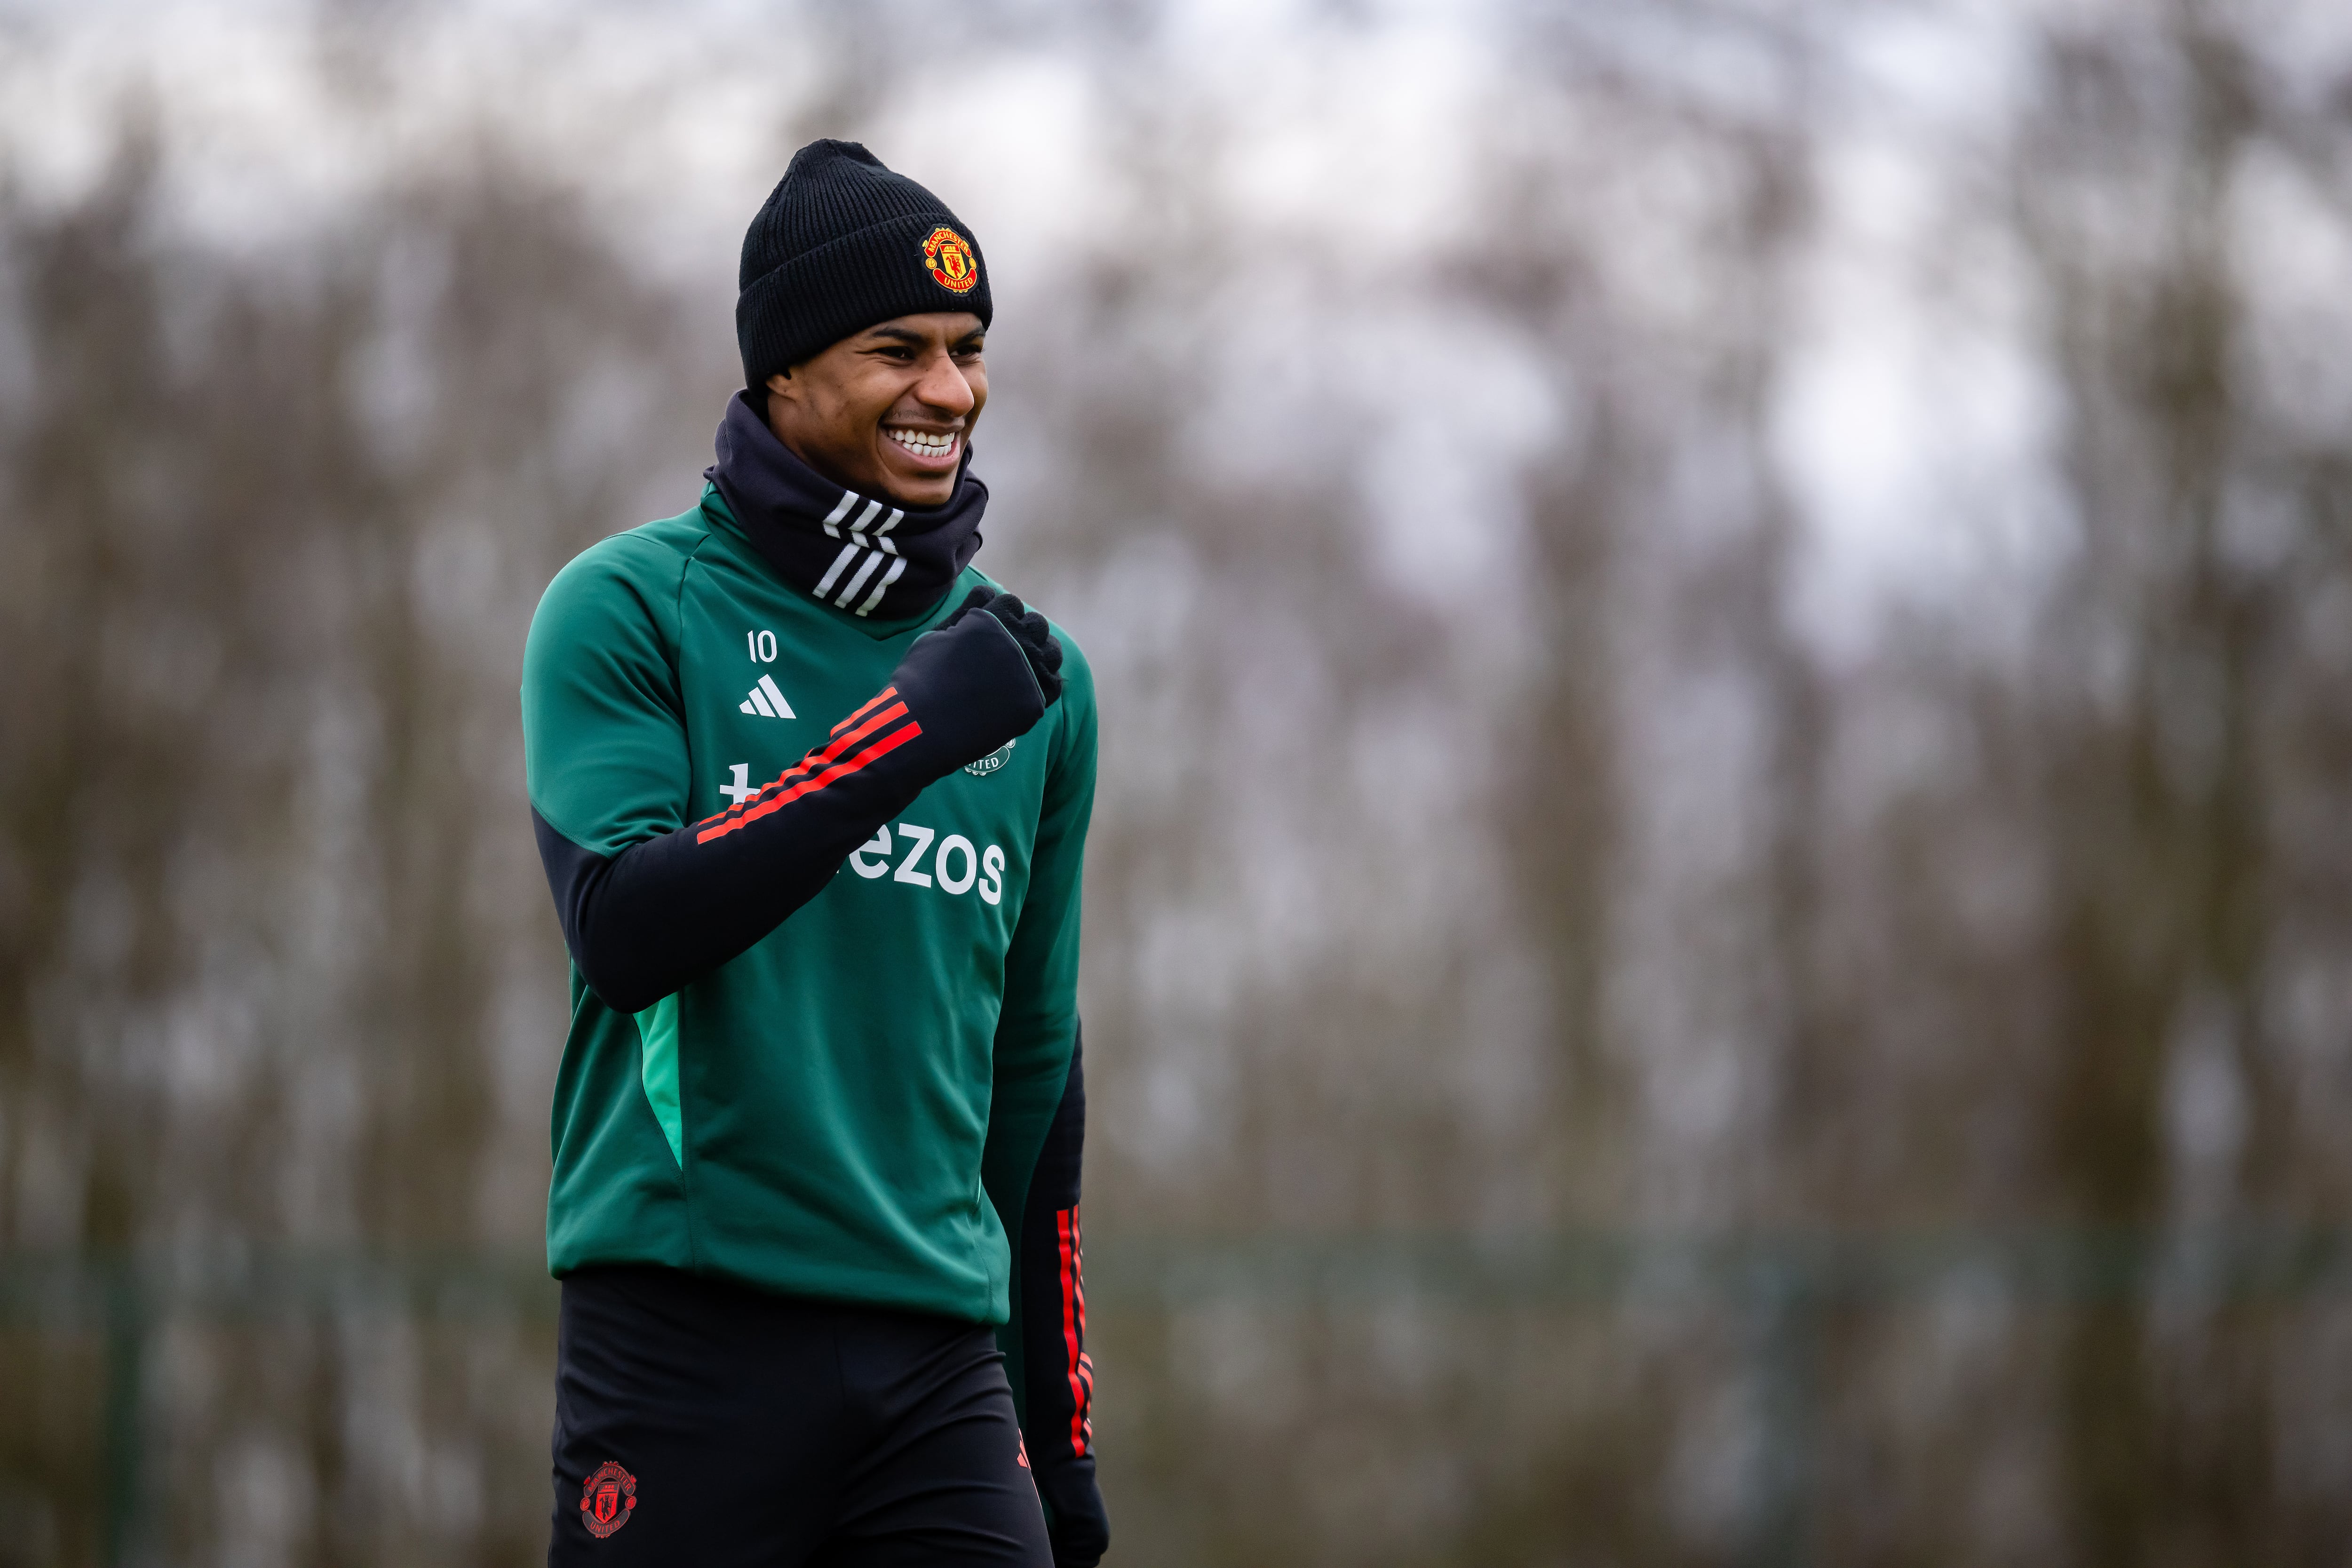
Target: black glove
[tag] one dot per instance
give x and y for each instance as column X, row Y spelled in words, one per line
column 1075, row 1523
column 972, row 682
column 1028, row 628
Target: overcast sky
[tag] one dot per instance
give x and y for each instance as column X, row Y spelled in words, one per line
column 1913, row 423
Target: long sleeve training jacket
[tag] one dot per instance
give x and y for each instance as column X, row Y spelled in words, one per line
column 824, row 1006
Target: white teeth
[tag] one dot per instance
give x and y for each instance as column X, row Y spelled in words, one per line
column 922, row 444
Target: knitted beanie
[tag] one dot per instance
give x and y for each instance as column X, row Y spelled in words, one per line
column 841, row 244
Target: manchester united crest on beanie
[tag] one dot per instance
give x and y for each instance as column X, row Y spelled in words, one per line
column 841, row 244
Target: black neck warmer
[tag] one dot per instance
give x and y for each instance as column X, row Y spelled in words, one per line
column 867, row 557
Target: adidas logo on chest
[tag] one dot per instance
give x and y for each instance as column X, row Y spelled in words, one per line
column 766, row 700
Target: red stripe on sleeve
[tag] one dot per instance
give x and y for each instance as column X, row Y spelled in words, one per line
column 883, row 695
column 1074, row 1332
column 882, row 747
column 809, row 764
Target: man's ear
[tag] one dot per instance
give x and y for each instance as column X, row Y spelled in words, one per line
column 779, row 385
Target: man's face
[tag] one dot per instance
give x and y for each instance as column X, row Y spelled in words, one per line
column 886, row 410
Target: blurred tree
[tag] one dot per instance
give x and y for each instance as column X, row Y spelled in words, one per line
column 276, row 524
column 1578, row 888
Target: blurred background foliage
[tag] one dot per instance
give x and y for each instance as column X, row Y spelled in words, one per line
column 1725, row 638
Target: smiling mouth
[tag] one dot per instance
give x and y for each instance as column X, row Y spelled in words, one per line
column 930, row 446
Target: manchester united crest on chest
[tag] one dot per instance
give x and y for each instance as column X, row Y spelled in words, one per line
column 991, row 763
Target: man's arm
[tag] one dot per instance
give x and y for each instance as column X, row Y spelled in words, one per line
column 644, row 918
column 1036, row 1126
column 1060, row 1379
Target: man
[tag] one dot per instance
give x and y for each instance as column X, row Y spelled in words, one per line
column 811, row 795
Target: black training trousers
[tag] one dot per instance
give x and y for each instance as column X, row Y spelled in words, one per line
column 704, row 1424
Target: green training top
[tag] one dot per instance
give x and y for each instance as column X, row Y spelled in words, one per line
column 851, row 1108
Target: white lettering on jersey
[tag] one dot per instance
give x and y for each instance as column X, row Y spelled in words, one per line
column 960, row 865
column 877, row 845
column 906, row 872
column 956, row 842
column 742, row 789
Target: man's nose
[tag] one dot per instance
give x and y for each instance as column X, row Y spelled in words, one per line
column 943, row 388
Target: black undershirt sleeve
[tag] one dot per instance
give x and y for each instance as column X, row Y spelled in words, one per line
column 643, row 923
column 1059, row 1427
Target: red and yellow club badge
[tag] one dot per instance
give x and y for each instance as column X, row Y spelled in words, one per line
column 608, row 1498
column 948, row 254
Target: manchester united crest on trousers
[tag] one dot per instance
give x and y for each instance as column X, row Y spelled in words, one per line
column 606, row 1501
column 953, row 266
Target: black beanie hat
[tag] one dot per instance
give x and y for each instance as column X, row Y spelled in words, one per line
column 841, row 244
